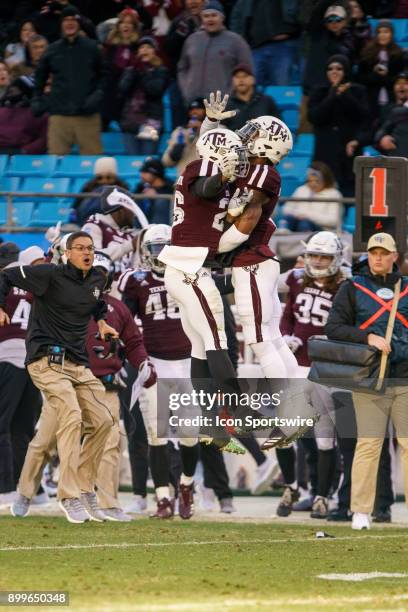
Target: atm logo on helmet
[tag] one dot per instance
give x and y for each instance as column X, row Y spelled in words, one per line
column 278, row 130
column 217, row 139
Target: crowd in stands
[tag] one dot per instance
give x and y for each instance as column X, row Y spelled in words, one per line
column 70, row 72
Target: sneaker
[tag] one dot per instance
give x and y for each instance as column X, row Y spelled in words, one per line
column 41, row 499
column 207, row 499
column 186, row 501
column 91, row 506
column 265, row 473
column 74, row 510
column 304, row 505
column 360, row 521
column 278, row 439
column 165, row 509
column 138, row 505
column 21, row 505
column 117, row 514
column 382, row 516
column 227, row 506
column 6, row 499
column 234, row 447
column 339, row 515
column 320, row 508
column 289, row 497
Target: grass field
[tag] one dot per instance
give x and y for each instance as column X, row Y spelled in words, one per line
column 210, row 566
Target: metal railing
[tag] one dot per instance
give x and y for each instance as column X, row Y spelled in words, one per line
column 12, row 227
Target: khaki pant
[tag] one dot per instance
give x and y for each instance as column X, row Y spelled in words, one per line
column 74, row 396
column 372, row 415
column 65, row 131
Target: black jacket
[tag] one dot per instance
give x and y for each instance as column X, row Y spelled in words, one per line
column 395, row 125
column 78, row 78
column 64, row 301
column 257, row 106
column 342, row 323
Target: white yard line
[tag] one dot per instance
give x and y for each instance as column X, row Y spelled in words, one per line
column 360, row 576
column 202, row 543
column 227, row 604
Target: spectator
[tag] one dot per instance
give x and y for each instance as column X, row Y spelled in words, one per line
column 356, row 317
column 48, row 20
column 338, row 112
column 181, row 148
column 78, row 77
column 273, row 33
column 210, row 55
column 381, row 60
column 105, row 13
column 17, row 52
column 119, row 54
column 37, row 46
column 329, row 35
column 314, row 216
column 105, row 173
column 391, row 129
column 360, row 27
column 249, row 102
column 181, row 28
column 4, row 78
column 142, row 87
column 162, row 14
column 153, row 183
column 20, row 131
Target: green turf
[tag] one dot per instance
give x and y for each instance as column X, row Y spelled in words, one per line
column 272, row 564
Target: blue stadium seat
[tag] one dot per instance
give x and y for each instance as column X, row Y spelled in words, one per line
column 164, row 139
column 113, row 143
column 291, row 117
column 285, row 96
column 371, row 152
column 76, row 165
column 129, row 166
column 3, row 163
column 349, row 223
column 172, row 174
column 167, row 116
column 45, row 185
column 3, row 213
column 304, row 145
column 32, row 165
column 9, row 183
column 22, row 212
column 289, row 184
column 49, row 213
column 77, row 184
column 294, row 167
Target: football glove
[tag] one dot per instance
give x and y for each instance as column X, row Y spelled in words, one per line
column 293, row 342
column 147, row 374
column 228, row 165
column 215, row 108
column 238, row 202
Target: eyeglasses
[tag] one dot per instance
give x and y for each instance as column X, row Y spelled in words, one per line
column 82, row 249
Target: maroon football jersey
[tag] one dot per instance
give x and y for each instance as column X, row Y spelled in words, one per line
column 111, row 234
column 146, row 296
column 266, row 179
column 198, row 222
column 306, row 311
column 120, row 318
column 18, row 306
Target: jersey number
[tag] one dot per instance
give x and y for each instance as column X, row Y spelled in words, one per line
column 312, row 309
column 21, row 314
column 378, row 206
column 218, row 223
column 160, row 310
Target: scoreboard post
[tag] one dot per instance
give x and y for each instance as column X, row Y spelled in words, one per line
column 381, row 199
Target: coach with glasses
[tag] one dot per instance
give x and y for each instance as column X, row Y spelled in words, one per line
column 65, row 298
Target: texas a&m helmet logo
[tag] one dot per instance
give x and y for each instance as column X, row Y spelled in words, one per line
column 216, row 139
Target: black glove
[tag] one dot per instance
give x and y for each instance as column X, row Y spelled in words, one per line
column 176, row 152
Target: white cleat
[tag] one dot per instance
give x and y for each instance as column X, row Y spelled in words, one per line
column 138, row 505
column 360, row 521
column 265, row 473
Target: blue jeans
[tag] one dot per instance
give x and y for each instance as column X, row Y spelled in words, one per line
column 274, row 62
column 138, row 146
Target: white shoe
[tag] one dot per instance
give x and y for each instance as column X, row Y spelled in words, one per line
column 6, row 499
column 265, row 473
column 138, row 505
column 360, row 521
column 207, row 499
